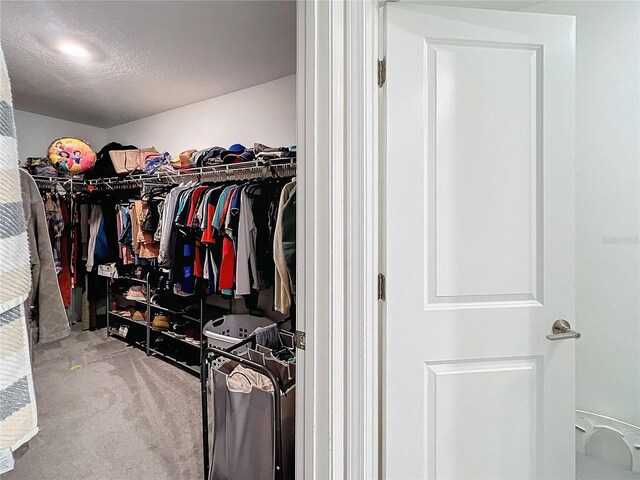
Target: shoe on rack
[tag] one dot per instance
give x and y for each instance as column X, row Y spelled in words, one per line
column 189, row 334
column 136, row 293
column 165, row 301
column 193, row 336
column 160, row 323
column 179, row 330
column 177, row 290
column 126, row 313
column 172, row 302
column 193, row 308
column 196, row 340
column 138, row 316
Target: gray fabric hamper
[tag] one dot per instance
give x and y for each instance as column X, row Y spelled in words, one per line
column 243, row 445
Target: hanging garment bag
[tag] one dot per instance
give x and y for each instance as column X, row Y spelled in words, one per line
column 243, row 444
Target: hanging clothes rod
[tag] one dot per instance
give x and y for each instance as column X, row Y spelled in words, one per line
column 51, row 181
column 61, row 184
column 217, row 173
column 231, row 171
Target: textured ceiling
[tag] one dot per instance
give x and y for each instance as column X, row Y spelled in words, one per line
column 146, row 57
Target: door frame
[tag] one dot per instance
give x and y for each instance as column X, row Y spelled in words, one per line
column 340, row 234
column 338, row 415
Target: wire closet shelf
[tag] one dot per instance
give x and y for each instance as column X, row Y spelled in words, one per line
column 214, row 173
column 232, row 171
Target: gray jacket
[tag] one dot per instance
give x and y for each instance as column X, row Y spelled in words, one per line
column 52, row 323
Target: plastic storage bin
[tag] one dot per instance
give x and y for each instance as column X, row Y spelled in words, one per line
column 231, row 329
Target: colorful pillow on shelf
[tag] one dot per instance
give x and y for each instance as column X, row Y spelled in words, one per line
column 71, row 155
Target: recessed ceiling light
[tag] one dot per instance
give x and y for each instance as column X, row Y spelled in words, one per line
column 73, row 50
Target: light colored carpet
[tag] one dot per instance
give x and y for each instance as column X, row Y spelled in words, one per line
column 109, row 412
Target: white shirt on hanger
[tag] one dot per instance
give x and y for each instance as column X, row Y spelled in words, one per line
column 246, row 264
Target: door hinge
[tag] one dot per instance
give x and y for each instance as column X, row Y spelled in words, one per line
column 382, row 284
column 382, row 72
column 301, row 340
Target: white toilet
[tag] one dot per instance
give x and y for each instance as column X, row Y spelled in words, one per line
column 606, row 449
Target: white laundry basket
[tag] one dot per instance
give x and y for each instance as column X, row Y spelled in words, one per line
column 228, row 330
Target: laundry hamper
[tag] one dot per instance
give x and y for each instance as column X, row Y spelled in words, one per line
column 229, row 330
column 253, row 433
column 244, row 440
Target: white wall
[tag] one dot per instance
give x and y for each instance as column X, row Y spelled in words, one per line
column 36, row 132
column 264, row 113
column 607, row 204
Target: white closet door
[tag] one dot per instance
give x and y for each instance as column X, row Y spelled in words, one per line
column 479, row 244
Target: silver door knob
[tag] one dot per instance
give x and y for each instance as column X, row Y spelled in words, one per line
column 561, row 330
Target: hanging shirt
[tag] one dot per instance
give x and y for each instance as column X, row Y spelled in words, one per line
column 210, row 272
column 289, row 239
column 200, row 216
column 124, row 234
column 182, row 210
column 168, row 218
column 266, row 197
column 246, row 269
column 218, row 217
column 193, row 222
column 102, row 245
column 282, row 288
column 207, row 223
column 157, row 236
column 194, row 203
column 228, row 264
column 57, row 226
column 143, row 243
column 95, row 218
column 84, row 229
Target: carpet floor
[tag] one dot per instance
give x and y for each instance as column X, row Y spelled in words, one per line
column 109, row 412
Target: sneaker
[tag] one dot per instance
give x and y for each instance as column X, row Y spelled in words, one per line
column 177, row 290
column 136, row 293
column 160, row 322
column 165, row 302
column 179, row 330
column 139, row 316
